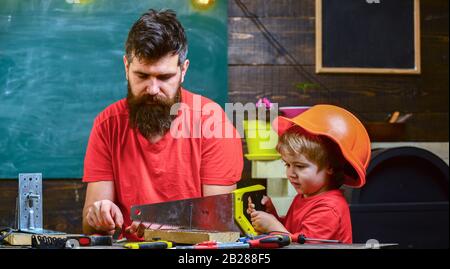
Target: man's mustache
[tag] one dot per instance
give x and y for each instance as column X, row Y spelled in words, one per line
column 147, row 99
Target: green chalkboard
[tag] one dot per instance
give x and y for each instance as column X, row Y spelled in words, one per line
column 61, row 64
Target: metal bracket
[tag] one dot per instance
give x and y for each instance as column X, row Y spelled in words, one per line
column 29, row 208
column 30, row 203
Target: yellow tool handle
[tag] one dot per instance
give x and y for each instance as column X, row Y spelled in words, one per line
column 239, row 216
column 160, row 244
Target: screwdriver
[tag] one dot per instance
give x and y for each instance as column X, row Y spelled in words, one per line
column 268, row 241
column 216, row 245
column 160, row 244
column 302, row 239
column 92, row 240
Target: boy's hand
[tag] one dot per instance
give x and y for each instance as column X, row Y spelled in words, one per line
column 265, row 223
column 265, row 201
column 270, row 208
column 250, row 206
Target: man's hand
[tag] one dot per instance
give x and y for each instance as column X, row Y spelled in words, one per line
column 104, row 216
column 138, row 228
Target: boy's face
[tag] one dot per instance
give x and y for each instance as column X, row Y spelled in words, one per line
column 305, row 175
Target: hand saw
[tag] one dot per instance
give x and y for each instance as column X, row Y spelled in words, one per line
column 224, row 212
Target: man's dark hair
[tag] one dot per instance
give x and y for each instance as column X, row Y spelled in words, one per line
column 156, row 34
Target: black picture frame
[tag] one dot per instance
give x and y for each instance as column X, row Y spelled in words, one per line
column 368, row 36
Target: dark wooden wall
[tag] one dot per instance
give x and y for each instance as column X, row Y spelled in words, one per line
column 63, row 202
column 256, row 69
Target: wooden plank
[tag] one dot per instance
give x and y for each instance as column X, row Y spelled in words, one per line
column 190, row 236
column 24, row 239
column 271, row 8
column 434, row 17
column 426, row 95
column 247, row 44
column 277, row 25
column 249, row 47
column 363, row 93
column 18, row 239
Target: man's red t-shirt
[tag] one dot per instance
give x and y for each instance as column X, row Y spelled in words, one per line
column 322, row 216
column 171, row 169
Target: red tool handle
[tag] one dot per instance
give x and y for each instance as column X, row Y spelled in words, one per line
column 92, row 240
column 269, row 241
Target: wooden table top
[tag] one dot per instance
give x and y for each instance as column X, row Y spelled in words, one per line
column 291, row 246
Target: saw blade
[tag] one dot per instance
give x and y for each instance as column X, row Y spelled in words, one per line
column 213, row 213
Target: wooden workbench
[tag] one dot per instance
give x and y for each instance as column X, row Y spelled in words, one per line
column 290, row 247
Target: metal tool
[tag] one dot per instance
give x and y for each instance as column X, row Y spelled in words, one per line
column 116, row 236
column 29, row 205
column 72, row 244
column 403, row 118
column 4, row 233
column 48, row 242
column 302, row 239
column 224, row 212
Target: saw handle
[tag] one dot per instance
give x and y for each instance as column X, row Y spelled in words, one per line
column 240, row 210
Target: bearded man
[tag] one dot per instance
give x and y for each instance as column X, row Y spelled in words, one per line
column 133, row 157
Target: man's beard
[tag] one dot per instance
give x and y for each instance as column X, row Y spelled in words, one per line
column 151, row 114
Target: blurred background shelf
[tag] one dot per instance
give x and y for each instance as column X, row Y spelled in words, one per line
column 282, row 192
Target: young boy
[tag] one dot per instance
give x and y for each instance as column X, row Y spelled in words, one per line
column 323, row 148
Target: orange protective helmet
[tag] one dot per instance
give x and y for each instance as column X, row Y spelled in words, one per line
column 340, row 126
